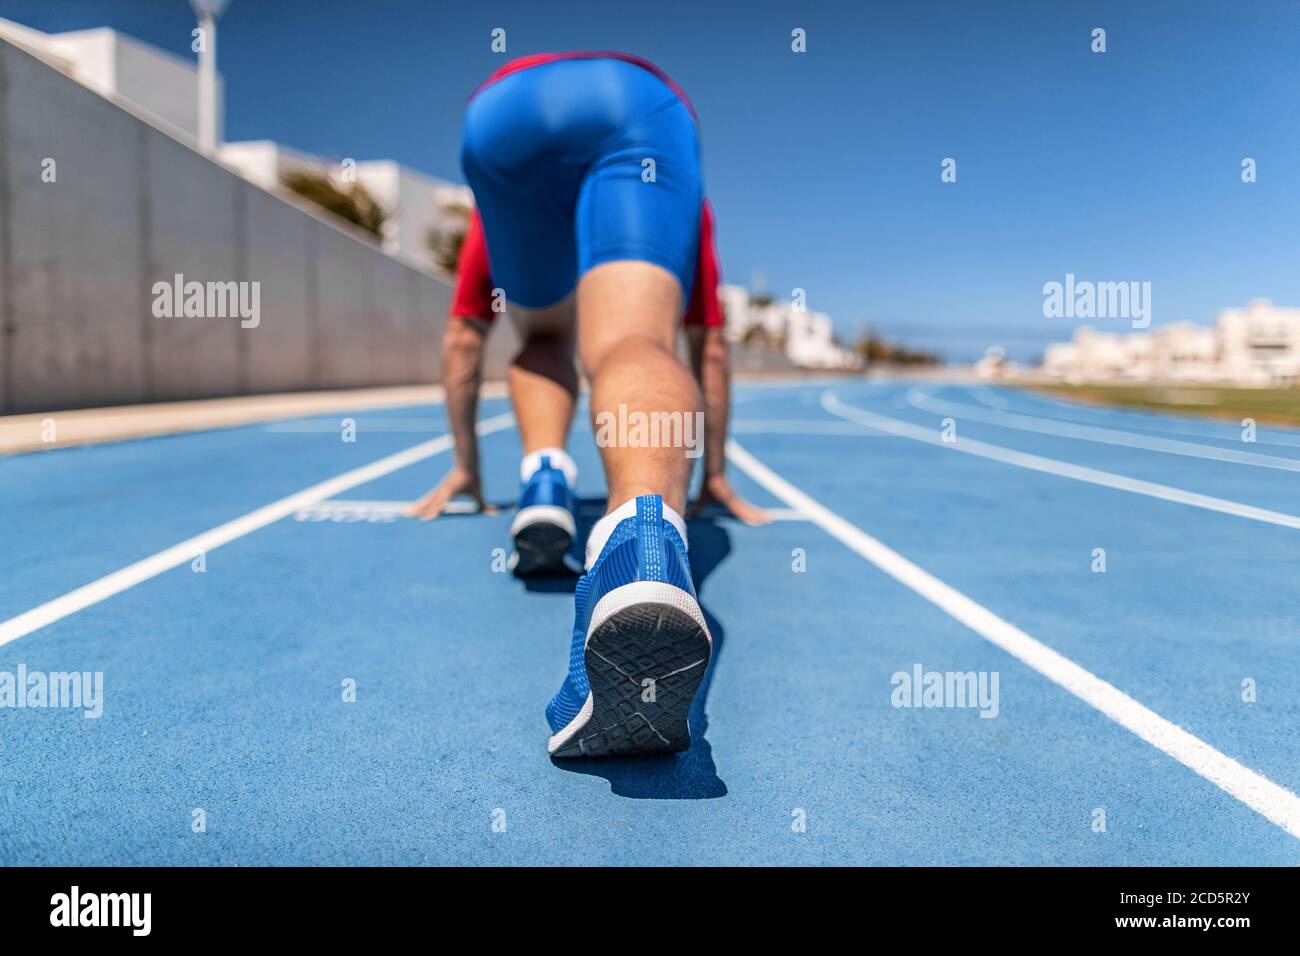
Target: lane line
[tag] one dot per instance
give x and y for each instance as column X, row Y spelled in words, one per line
column 1149, row 420
column 344, row 509
column 1094, row 433
column 370, row 426
column 1262, row 795
column 775, row 514
column 1063, row 469
column 799, row 426
column 987, row 397
column 187, row 550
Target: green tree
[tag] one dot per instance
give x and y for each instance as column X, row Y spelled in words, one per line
column 351, row 202
column 446, row 238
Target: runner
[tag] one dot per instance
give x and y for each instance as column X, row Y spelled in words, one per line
column 590, row 209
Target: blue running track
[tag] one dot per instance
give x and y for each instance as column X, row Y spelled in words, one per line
column 224, row 689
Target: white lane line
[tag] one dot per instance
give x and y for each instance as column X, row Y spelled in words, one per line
column 1136, row 418
column 187, row 550
column 349, row 509
column 351, row 506
column 360, row 423
column 986, row 397
column 1262, row 795
column 798, row 426
column 786, row 514
column 775, row 514
column 1093, row 433
column 1062, row 469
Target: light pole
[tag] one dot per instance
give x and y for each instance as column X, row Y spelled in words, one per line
column 207, row 11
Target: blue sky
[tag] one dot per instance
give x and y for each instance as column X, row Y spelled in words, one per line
column 824, row 166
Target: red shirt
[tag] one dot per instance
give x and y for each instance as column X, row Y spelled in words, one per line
column 473, row 296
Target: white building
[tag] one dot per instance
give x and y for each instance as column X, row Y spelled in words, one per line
column 735, row 311
column 807, row 338
column 164, row 89
column 152, row 83
column 416, row 205
column 267, row 163
column 1255, row 346
column 1260, row 342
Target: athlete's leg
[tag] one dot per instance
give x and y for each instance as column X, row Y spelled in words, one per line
column 543, row 380
column 628, row 313
column 543, row 383
column 587, row 175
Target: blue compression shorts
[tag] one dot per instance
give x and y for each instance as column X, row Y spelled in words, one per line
column 556, row 153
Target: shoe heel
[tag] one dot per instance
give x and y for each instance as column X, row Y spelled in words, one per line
column 543, row 535
column 646, row 656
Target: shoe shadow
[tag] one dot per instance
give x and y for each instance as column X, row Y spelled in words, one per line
column 691, row 774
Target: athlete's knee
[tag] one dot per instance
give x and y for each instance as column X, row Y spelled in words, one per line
column 463, row 335
column 635, row 349
column 545, row 350
column 547, row 343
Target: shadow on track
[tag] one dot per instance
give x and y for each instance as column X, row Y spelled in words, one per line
column 692, row 774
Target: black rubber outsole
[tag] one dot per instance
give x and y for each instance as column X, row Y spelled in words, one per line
column 541, row 548
column 644, row 664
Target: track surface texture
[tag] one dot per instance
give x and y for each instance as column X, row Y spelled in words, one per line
column 1112, row 620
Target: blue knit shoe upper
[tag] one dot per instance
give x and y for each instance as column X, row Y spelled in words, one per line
column 548, row 486
column 545, row 528
column 641, row 548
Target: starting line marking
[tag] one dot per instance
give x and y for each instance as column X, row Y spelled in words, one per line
column 346, row 511
column 375, row 512
column 185, row 551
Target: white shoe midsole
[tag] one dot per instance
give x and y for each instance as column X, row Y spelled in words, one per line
column 646, row 592
column 543, row 514
column 561, row 738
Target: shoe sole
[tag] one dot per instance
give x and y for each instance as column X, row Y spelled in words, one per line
column 646, row 656
column 543, row 537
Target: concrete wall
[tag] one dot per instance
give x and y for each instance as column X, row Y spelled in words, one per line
column 132, row 206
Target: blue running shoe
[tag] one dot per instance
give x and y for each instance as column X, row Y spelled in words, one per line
column 640, row 646
column 545, row 529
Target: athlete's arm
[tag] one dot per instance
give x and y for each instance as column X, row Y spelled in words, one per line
column 711, row 362
column 710, row 359
column 462, row 373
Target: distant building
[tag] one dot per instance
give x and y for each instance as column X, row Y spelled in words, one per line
column 1255, row 346
column 735, row 310
column 806, row 338
column 163, row 89
column 152, row 83
column 417, row 205
column 268, row 163
column 1261, row 342
column 414, row 203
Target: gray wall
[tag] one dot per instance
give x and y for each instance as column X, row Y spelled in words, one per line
column 133, row 206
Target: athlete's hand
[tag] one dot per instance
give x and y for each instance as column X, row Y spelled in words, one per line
column 458, row 481
column 718, row 491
